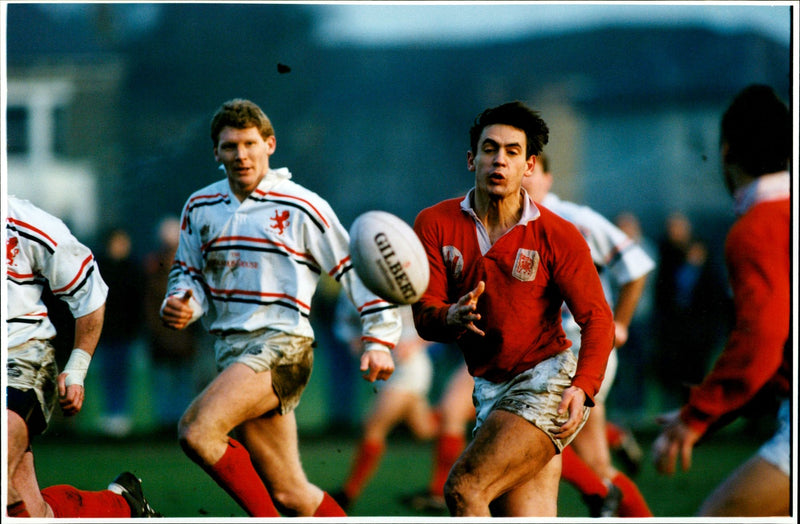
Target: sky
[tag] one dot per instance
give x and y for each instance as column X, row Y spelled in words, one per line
column 453, row 21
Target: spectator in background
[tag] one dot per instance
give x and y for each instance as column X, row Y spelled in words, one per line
column 123, row 325
column 689, row 308
column 173, row 353
column 755, row 367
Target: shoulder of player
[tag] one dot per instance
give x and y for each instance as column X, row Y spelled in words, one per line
column 39, row 227
column 216, row 192
column 289, row 193
column 445, row 210
column 760, row 228
column 556, row 226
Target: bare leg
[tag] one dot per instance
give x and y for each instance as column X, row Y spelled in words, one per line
column 506, row 454
column 756, row 489
column 23, row 484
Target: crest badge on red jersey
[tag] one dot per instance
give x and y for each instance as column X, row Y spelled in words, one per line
column 453, row 260
column 526, row 265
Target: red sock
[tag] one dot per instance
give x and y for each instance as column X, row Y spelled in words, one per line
column 329, row 508
column 365, row 463
column 448, row 449
column 575, row 471
column 614, row 435
column 632, row 503
column 17, row 509
column 235, row 473
column 67, row 501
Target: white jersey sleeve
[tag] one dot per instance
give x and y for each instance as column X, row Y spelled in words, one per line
column 612, row 250
column 41, row 251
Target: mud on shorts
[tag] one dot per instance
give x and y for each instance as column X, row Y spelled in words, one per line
column 32, row 390
column 288, row 357
column 533, row 395
column 777, row 450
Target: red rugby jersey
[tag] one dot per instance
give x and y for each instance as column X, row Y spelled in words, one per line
column 757, row 354
column 529, row 272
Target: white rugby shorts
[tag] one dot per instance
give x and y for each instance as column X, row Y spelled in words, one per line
column 776, row 450
column 289, row 358
column 533, row 395
column 32, row 366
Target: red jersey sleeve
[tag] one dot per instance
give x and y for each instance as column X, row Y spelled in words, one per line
column 757, row 257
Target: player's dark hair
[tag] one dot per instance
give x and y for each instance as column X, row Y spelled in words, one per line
column 757, row 128
column 514, row 114
column 240, row 114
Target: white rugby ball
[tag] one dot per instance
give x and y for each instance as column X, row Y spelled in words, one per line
column 388, row 257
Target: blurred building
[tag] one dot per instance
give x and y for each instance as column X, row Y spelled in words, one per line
column 127, row 91
column 63, row 119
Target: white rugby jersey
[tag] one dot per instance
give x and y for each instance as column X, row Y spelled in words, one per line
column 618, row 257
column 256, row 264
column 41, row 250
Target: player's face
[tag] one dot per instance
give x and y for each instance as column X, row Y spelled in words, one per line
column 245, row 155
column 500, row 161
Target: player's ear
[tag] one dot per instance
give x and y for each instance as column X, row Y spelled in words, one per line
column 272, row 143
column 470, row 160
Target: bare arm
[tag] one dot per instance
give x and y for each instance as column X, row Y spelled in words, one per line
column 627, row 300
column 87, row 335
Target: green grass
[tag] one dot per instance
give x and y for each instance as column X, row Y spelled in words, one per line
column 178, row 488
column 70, row 454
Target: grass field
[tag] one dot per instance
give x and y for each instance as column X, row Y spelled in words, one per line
column 179, row 489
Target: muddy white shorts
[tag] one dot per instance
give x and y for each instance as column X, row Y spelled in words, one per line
column 777, row 449
column 31, row 367
column 288, row 357
column 533, row 395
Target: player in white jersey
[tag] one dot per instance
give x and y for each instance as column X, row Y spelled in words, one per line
column 623, row 266
column 251, row 252
column 40, row 252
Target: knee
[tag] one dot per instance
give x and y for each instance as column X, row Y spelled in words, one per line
column 461, row 494
column 191, row 437
column 292, row 501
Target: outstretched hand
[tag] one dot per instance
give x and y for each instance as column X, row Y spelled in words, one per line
column 462, row 314
column 676, row 438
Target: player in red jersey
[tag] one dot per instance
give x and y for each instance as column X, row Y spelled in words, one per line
column 41, row 251
column 756, row 362
column 501, row 267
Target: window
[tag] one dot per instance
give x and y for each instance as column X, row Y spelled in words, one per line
column 17, row 125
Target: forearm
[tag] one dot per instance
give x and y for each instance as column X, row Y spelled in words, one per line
column 88, row 329
column 628, row 299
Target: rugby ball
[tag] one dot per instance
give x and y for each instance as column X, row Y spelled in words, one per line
column 388, row 257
